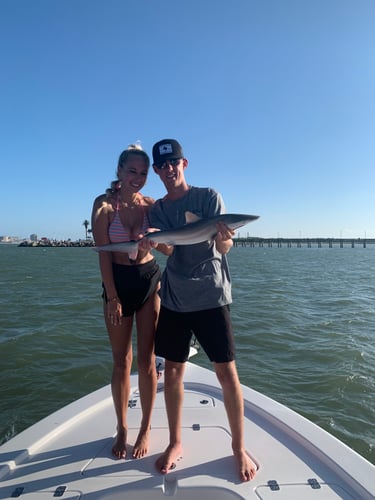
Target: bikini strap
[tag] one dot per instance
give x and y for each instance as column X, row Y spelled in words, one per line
column 118, row 202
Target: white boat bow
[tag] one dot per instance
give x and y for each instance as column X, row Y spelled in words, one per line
column 68, row 454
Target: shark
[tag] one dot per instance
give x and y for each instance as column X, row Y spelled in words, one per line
column 191, row 233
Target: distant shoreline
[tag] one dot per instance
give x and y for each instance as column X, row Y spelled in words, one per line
column 57, row 243
column 238, row 242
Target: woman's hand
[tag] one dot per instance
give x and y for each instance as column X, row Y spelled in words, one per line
column 148, row 244
column 114, row 311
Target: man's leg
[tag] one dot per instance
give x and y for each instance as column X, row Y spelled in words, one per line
column 174, row 396
column 233, row 401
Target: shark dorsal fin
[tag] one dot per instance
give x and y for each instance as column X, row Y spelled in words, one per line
column 190, row 217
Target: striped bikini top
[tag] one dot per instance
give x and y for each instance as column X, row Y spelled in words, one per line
column 118, row 233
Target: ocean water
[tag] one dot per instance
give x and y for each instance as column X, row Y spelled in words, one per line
column 304, row 322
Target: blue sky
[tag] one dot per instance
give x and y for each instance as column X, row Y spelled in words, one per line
column 272, row 100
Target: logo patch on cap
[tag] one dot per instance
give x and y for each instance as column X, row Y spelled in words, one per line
column 165, row 149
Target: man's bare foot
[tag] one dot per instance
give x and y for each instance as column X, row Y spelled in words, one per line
column 141, row 445
column 167, row 461
column 247, row 468
column 119, row 447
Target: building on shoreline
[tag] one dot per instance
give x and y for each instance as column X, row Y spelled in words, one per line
column 9, row 240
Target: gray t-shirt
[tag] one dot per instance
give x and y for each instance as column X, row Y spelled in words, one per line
column 197, row 276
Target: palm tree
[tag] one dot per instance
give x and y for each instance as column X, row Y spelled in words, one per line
column 86, row 224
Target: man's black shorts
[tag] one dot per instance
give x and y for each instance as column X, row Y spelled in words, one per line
column 211, row 327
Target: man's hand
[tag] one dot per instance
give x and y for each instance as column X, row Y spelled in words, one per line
column 223, row 239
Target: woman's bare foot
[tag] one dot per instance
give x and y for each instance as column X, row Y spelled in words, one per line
column 141, row 445
column 247, row 468
column 119, row 447
column 167, row 461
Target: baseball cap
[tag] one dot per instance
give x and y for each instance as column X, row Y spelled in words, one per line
column 167, row 149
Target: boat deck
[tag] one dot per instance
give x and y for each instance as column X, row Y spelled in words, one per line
column 68, row 455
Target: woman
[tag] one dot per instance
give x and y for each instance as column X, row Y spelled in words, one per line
column 130, row 283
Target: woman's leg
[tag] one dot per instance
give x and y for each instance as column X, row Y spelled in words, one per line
column 121, row 342
column 146, row 319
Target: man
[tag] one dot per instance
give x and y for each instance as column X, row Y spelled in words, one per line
column 195, row 297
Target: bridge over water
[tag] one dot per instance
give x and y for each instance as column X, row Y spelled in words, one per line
column 303, row 242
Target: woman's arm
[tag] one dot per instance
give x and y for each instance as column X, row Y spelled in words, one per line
column 99, row 224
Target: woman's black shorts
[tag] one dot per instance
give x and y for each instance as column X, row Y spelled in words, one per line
column 135, row 284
